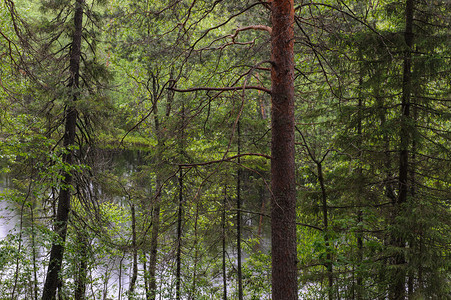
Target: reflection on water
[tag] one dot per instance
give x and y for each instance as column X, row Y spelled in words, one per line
column 110, row 272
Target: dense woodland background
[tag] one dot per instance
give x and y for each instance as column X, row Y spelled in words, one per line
column 135, row 149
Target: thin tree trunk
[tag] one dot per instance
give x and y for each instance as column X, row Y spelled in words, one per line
column 224, row 250
column 82, row 272
column 106, row 278
column 131, row 288
column 62, row 215
column 196, row 253
column 16, row 274
column 157, row 201
column 283, row 184
column 238, row 216
column 33, row 245
column 119, row 292
column 328, row 263
column 359, row 236
column 179, row 235
column 146, row 277
column 180, row 206
column 260, row 219
column 413, row 244
column 154, row 242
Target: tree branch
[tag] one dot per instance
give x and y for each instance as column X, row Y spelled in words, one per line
column 221, row 89
column 268, row 216
column 252, row 27
column 223, row 160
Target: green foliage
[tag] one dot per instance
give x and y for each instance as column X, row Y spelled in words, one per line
column 135, row 133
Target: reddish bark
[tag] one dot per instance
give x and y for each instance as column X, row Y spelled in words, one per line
column 283, row 206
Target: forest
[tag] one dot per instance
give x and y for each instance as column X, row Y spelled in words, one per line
column 214, row 149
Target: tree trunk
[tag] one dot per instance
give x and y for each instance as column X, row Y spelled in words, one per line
column 62, row 215
column 154, row 242
column 224, row 253
column 80, row 290
column 196, row 254
column 283, row 185
column 131, row 288
column 413, row 244
column 398, row 288
column 238, row 217
column 358, row 289
column 119, row 291
column 179, row 236
column 146, row 277
column 328, row 263
column 260, row 218
column 33, row 245
column 180, row 208
column 157, row 200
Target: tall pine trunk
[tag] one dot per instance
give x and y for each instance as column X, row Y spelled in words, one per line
column 398, row 288
column 62, row 215
column 283, row 185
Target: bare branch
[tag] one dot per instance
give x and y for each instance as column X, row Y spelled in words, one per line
column 221, row 89
column 226, row 159
column 252, row 27
column 268, row 216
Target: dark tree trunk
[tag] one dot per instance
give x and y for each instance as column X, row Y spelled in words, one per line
column 180, row 206
column 157, row 200
column 413, row 243
column 196, row 254
column 238, row 216
column 80, row 290
column 179, row 236
column 283, row 185
column 35, row 268
column 358, row 289
column 146, row 277
column 62, row 215
column 328, row 263
column 131, row 288
column 398, row 288
column 260, row 219
column 119, row 291
column 405, row 108
column 224, row 253
column 154, row 242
